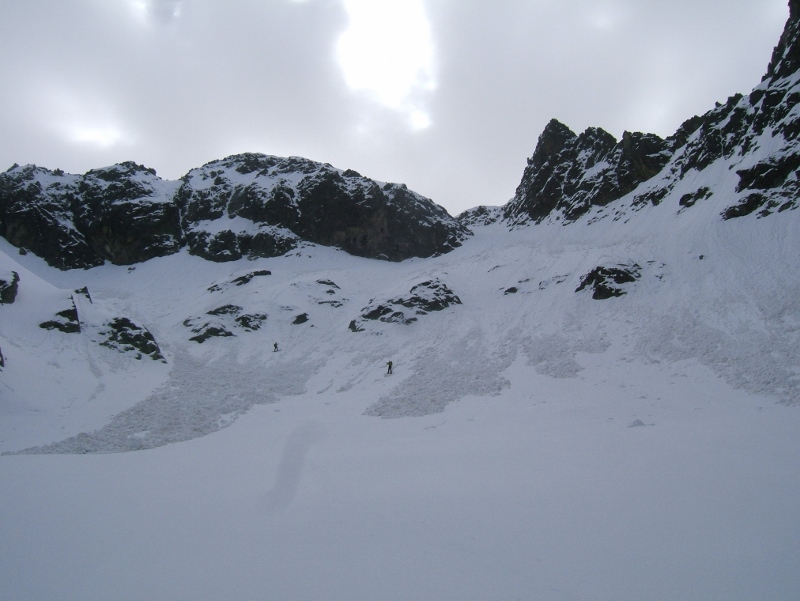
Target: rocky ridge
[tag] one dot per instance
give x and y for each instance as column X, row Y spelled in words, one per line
column 745, row 150
column 247, row 205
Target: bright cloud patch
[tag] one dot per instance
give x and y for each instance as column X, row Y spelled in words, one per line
column 84, row 120
column 160, row 10
column 606, row 17
column 103, row 137
column 387, row 52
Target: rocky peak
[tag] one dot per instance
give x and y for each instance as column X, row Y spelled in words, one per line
column 757, row 137
column 786, row 56
column 552, row 142
column 569, row 173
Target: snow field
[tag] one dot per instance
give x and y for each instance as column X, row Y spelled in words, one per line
column 530, row 445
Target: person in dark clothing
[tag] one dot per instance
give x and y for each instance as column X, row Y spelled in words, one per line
column 275, row 348
column 389, row 363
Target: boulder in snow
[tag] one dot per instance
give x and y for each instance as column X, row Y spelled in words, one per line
column 608, row 282
column 8, row 287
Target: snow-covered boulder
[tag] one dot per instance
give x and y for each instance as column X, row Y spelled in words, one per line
column 423, row 298
column 608, row 282
column 221, row 321
column 66, row 321
column 124, row 335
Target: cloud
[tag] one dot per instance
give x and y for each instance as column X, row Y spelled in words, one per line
column 80, row 118
column 159, row 11
column 446, row 96
column 387, row 53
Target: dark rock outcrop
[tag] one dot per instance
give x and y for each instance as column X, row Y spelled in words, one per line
column 423, row 298
column 222, row 321
column 127, row 214
column 123, row 335
column 785, row 60
column 300, row 319
column 66, row 321
column 9, row 284
column 480, row 216
column 123, row 214
column 207, row 331
column 608, row 282
column 251, row 321
column 239, row 280
column 36, row 214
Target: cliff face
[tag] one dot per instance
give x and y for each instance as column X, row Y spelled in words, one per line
column 246, row 205
column 265, row 205
column 745, row 150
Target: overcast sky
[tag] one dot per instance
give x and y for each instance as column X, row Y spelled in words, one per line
column 447, row 96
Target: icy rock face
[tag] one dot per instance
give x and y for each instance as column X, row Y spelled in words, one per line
column 248, row 205
column 264, row 205
column 754, row 137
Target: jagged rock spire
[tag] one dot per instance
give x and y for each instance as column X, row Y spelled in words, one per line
column 786, row 56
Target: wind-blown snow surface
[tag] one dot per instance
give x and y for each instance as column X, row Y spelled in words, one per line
column 547, row 445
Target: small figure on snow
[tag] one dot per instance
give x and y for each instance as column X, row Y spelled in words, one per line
column 388, row 371
column 275, row 348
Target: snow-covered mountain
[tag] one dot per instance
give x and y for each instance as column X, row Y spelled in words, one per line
column 744, row 152
column 248, row 205
column 595, row 398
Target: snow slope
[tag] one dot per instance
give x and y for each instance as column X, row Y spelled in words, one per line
column 544, row 445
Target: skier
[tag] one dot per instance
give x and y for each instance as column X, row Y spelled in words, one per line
column 275, row 348
column 388, row 371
